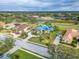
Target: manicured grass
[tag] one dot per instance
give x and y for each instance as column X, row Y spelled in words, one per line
column 44, row 40
column 23, row 55
column 36, row 40
column 64, row 26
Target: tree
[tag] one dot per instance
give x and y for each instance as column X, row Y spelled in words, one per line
column 9, row 42
column 56, row 28
column 63, row 52
column 17, row 57
column 48, row 23
column 23, row 35
column 1, row 28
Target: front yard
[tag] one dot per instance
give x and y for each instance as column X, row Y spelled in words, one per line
column 44, row 39
column 37, row 40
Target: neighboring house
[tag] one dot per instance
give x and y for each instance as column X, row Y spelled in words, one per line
column 56, row 17
column 15, row 35
column 2, row 24
column 70, row 35
column 21, row 28
column 46, row 18
column 35, row 16
column 9, row 26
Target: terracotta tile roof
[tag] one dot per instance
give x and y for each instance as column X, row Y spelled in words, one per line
column 70, row 34
column 21, row 25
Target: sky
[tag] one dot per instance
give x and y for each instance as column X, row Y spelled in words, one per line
column 39, row 5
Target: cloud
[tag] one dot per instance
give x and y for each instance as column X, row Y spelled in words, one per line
column 34, row 3
column 39, row 5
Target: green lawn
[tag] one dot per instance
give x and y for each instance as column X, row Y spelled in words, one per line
column 44, row 40
column 64, row 26
column 36, row 40
column 23, row 55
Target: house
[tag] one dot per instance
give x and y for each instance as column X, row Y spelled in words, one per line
column 2, row 24
column 35, row 16
column 21, row 28
column 46, row 18
column 70, row 35
column 9, row 26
